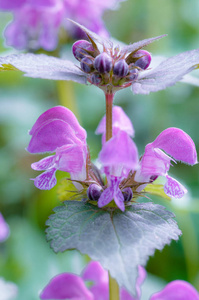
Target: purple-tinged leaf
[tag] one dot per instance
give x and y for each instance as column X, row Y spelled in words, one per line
column 167, row 73
column 173, row 188
column 177, row 290
column 113, row 238
column 138, row 45
column 177, row 144
column 43, row 66
column 66, row 286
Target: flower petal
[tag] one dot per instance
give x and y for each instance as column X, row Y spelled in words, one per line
column 173, row 188
column 106, row 197
column 119, row 152
column 66, row 286
column 9, row 5
column 100, row 288
column 4, row 229
column 177, row 290
column 51, row 135
column 167, row 73
column 44, row 163
column 178, row 144
column 61, row 113
column 46, row 180
column 120, row 122
column 43, row 66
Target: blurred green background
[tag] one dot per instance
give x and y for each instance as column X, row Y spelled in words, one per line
column 26, row 258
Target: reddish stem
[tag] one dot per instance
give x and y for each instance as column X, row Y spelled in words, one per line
column 109, row 107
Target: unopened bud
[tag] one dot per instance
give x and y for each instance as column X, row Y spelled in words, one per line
column 103, row 63
column 133, row 74
column 127, row 193
column 86, row 64
column 96, row 78
column 81, row 48
column 94, row 192
column 121, row 68
column 145, row 59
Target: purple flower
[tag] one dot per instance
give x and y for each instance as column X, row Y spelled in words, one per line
column 70, row 286
column 155, row 162
column 36, row 24
column 110, row 66
column 57, row 130
column 4, row 229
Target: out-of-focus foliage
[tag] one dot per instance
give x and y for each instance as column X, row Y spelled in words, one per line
column 25, row 258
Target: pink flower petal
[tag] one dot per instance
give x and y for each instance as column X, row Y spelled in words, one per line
column 177, row 290
column 4, row 229
column 46, row 180
column 178, row 144
column 173, row 188
column 66, row 286
column 60, row 113
column 44, row 163
column 120, row 121
column 119, row 152
column 106, row 197
column 51, row 135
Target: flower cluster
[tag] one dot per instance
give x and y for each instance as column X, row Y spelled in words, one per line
column 71, row 286
column 37, row 23
column 57, row 130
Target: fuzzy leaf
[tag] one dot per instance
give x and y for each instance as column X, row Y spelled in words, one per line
column 167, row 73
column 43, row 66
column 120, row 241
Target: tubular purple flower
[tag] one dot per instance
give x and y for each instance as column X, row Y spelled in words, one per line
column 57, row 130
column 37, row 23
column 70, row 286
column 120, row 121
column 118, row 157
column 177, row 144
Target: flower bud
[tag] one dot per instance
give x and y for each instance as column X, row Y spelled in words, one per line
column 81, row 48
column 133, row 74
column 121, row 68
column 127, row 193
column 96, row 78
column 103, row 63
column 144, row 61
column 94, row 192
column 86, row 64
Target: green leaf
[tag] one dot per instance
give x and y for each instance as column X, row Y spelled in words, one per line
column 119, row 241
column 8, row 67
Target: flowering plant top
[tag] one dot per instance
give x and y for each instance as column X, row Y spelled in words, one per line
column 105, row 65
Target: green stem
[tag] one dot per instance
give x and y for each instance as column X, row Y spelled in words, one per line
column 109, row 106
column 114, row 293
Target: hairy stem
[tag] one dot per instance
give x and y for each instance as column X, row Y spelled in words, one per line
column 109, row 106
column 114, row 293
